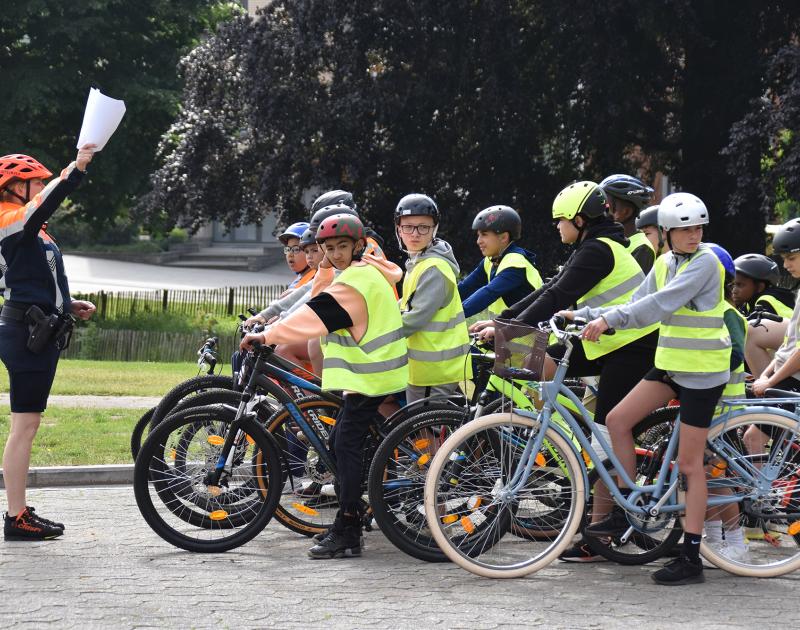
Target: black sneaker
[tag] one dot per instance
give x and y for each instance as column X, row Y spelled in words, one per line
column 581, row 552
column 614, row 525
column 680, row 571
column 339, row 543
column 44, row 520
column 321, row 536
column 27, row 526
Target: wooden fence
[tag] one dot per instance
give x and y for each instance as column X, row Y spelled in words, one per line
column 221, row 301
column 143, row 345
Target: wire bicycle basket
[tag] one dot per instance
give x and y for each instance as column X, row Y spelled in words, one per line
column 519, row 350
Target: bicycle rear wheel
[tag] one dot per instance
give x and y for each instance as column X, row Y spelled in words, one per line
column 172, row 491
column 655, row 537
column 397, row 479
column 307, row 504
column 471, row 508
column 774, row 506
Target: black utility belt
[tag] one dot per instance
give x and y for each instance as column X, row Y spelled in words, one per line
column 43, row 330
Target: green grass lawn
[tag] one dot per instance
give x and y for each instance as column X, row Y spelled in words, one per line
column 120, row 378
column 73, row 437
column 79, row 436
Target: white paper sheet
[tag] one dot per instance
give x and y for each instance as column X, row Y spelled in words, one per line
column 100, row 120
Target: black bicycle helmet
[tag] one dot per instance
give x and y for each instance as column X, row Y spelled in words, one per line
column 332, row 198
column 647, row 217
column 758, row 267
column 416, row 204
column 328, row 211
column 499, row 219
column 309, row 237
column 787, row 239
column 627, row 188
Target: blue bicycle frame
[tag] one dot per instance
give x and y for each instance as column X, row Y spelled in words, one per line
column 661, row 500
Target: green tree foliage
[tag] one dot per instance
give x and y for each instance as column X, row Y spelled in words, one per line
column 763, row 153
column 474, row 103
column 52, row 52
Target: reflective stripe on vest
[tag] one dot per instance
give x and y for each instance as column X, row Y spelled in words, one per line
column 511, row 260
column 693, row 341
column 437, row 353
column 779, row 307
column 735, row 388
column 376, row 364
column 616, row 288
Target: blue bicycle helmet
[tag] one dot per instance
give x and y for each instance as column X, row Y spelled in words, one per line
column 295, row 230
column 724, row 257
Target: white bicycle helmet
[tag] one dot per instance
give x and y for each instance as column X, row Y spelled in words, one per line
column 681, row 210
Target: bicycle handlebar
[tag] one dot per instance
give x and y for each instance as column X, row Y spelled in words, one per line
column 563, row 328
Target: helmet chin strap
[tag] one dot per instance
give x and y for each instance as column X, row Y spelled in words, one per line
column 23, row 200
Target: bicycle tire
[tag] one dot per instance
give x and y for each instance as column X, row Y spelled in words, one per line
column 641, row 548
column 170, row 399
column 156, row 483
column 138, row 431
column 507, row 559
column 292, row 510
column 396, row 480
column 764, row 549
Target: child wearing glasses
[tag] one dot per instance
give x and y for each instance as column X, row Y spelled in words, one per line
column 433, row 318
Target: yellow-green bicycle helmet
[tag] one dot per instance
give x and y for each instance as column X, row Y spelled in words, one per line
column 584, row 198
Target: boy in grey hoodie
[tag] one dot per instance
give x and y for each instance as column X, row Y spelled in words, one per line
column 433, row 317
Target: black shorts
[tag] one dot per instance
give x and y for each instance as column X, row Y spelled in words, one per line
column 30, row 375
column 698, row 406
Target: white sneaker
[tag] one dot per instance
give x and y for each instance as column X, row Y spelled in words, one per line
column 736, row 553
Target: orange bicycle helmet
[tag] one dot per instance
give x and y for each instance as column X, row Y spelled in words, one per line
column 19, row 166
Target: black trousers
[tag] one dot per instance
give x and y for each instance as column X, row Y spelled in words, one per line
column 619, row 371
column 347, row 438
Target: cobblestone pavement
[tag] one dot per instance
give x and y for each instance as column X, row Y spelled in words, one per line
column 111, row 571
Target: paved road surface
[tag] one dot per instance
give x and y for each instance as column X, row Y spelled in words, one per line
column 111, row 571
column 94, row 274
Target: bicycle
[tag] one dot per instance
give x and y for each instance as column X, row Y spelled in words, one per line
column 397, row 473
column 208, row 479
column 510, row 482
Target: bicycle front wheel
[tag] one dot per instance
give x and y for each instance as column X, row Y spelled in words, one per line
column 173, row 491
column 767, row 447
column 472, row 508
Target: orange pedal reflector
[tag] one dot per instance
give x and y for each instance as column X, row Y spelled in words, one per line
column 250, row 440
column 794, row 528
column 467, row 524
column 449, row 518
column 421, row 443
column 540, row 460
column 218, row 515
column 328, row 420
column 305, row 509
column 216, row 440
column 474, row 503
column 423, row 459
